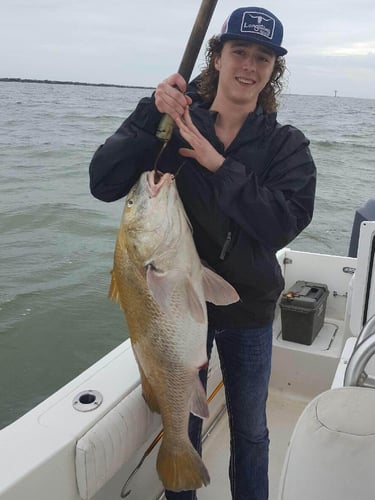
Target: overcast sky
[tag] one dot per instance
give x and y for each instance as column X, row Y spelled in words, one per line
column 331, row 43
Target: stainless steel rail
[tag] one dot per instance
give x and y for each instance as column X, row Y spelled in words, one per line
column 364, row 349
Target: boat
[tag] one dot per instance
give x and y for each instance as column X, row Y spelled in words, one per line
column 95, row 438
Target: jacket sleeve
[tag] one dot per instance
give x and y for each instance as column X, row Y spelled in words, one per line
column 276, row 210
column 118, row 163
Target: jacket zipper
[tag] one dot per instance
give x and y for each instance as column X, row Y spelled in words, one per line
column 226, row 245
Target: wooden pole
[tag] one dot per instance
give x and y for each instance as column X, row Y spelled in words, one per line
column 189, row 58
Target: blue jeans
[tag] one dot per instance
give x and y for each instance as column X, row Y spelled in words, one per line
column 245, row 359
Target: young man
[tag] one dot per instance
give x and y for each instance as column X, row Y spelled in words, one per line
column 248, row 186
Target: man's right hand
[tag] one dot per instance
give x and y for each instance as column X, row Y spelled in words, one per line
column 170, row 96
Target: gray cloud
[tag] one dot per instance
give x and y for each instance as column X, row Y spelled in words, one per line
column 331, row 44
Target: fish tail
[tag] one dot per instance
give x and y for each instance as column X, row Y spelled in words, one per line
column 180, row 467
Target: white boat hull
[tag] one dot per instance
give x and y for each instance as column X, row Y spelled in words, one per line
column 56, row 452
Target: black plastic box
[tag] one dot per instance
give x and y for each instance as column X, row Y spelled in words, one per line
column 303, row 309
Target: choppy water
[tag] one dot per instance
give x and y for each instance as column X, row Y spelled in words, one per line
column 57, row 241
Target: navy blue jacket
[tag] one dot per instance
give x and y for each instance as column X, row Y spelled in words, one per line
column 259, row 200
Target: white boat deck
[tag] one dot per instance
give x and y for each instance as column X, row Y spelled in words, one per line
column 300, row 372
column 282, row 417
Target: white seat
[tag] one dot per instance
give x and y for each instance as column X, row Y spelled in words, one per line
column 331, row 455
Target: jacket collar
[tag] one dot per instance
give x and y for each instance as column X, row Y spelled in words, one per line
column 257, row 124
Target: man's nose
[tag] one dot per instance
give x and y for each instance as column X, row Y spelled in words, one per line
column 249, row 63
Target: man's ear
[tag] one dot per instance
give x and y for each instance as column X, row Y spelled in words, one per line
column 217, row 63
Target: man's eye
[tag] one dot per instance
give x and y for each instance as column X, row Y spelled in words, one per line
column 262, row 58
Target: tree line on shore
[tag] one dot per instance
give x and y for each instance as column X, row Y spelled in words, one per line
column 30, row 80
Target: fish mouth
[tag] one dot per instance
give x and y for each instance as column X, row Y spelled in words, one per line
column 156, row 180
column 157, row 175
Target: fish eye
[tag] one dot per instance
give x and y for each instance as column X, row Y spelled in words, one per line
column 129, row 203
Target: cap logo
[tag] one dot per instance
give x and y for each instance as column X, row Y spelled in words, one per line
column 258, row 23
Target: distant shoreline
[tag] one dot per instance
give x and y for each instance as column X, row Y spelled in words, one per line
column 58, row 82
column 119, row 86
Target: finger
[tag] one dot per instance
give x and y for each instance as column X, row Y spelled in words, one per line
column 176, row 80
column 186, row 133
column 164, row 90
column 189, row 121
column 166, row 103
column 181, row 124
column 175, row 86
column 186, row 152
column 176, row 94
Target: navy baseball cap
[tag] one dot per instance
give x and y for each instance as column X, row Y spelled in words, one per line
column 254, row 25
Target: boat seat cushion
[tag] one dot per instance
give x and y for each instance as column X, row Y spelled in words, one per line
column 112, row 441
column 331, row 454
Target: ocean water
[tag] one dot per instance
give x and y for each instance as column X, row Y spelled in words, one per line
column 57, row 241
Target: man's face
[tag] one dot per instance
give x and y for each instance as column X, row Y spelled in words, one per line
column 244, row 70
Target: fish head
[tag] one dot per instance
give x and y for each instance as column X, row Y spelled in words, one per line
column 151, row 215
column 148, row 202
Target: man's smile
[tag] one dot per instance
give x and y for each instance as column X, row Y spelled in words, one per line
column 245, row 81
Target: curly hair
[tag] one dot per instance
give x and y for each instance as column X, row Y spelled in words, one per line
column 208, row 82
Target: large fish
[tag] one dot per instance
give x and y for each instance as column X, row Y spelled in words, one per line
column 162, row 287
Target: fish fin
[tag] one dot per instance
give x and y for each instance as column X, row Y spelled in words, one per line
column 217, row 290
column 161, row 285
column 113, row 292
column 180, row 467
column 198, row 402
column 194, row 304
